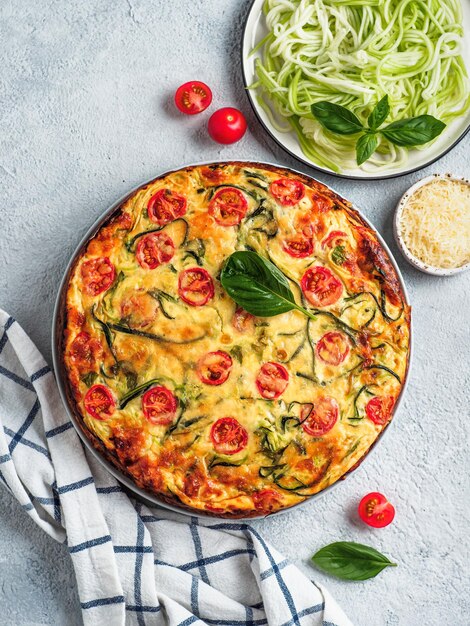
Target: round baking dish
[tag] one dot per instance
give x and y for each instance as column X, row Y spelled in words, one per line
column 417, row 263
column 57, row 332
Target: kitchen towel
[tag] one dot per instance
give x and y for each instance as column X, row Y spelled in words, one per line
column 135, row 564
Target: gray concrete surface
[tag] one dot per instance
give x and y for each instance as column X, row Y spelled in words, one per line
column 86, row 114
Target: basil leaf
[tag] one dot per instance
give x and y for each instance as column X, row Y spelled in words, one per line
column 237, row 353
column 413, row 131
column 336, row 118
column 365, row 147
column 379, row 114
column 338, row 256
column 351, row 561
column 131, row 380
column 258, row 285
column 89, row 378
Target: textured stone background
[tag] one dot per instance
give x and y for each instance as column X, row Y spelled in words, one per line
column 85, row 105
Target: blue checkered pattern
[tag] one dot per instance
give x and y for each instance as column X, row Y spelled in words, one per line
column 135, row 564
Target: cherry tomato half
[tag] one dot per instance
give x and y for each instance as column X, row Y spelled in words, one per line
column 193, row 97
column 138, row 308
column 319, row 418
column 195, row 286
column 214, row 367
column 98, row 275
column 286, row 191
column 228, row 436
column 299, row 247
column 333, row 238
column 375, row 510
column 333, row 348
column 85, row 350
column 320, row 286
column 379, row 409
column 228, row 207
column 159, row 405
column 154, row 249
column 243, row 321
column 99, row 402
column 165, row 206
column 272, row 380
column 227, row 125
column 266, row 500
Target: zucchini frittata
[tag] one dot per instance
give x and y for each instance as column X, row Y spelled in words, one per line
column 199, row 402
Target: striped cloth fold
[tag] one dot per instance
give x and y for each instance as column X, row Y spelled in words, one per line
column 135, row 564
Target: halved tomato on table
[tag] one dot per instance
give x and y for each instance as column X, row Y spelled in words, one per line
column 195, row 286
column 98, row 275
column 375, row 510
column 99, row 402
column 154, row 250
column 193, row 97
column 228, row 436
column 319, row 417
column 165, row 206
column 333, row 348
column 320, row 286
column 379, row 409
column 287, row 191
column 272, row 380
column 299, row 247
column 159, row 405
column 214, row 367
column 228, row 207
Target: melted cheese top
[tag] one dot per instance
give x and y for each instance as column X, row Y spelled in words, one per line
column 140, row 333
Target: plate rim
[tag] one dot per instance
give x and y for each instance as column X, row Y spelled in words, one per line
column 59, row 371
column 311, row 164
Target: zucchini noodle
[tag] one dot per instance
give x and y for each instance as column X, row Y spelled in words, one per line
column 352, row 53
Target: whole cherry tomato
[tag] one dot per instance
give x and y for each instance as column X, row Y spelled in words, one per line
column 227, row 125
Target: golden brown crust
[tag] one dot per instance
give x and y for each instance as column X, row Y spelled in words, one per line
column 163, row 463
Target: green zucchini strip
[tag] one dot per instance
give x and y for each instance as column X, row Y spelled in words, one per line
column 349, row 330
column 140, row 333
column 107, row 333
column 160, row 296
column 137, row 392
column 385, row 369
column 356, row 417
column 212, row 190
column 129, row 244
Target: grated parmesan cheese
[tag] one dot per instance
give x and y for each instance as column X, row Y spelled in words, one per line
column 435, row 223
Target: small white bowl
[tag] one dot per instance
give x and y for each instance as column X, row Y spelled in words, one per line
column 420, row 265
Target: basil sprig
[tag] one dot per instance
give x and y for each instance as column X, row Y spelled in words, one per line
column 413, row 131
column 258, row 285
column 351, row 561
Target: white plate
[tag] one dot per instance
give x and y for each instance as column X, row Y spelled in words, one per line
column 255, row 30
column 423, row 267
